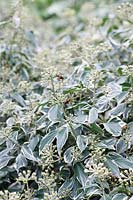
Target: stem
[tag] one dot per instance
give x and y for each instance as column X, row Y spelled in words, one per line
column 53, row 88
column 68, row 121
column 102, row 189
column 72, row 130
column 62, row 106
column 94, row 93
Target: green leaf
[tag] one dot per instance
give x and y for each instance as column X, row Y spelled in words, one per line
column 68, row 155
column 114, row 89
column 106, row 197
column 2, row 23
column 93, row 190
column 67, row 185
column 113, row 167
column 47, row 139
column 2, row 139
column 108, row 143
column 121, row 146
column 113, row 127
column 93, row 115
column 20, row 161
column 33, row 142
column 81, row 118
column 120, row 196
column 3, row 173
column 121, row 97
column 130, row 128
column 4, row 161
column 55, row 113
column 82, row 142
column 41, row 122
column 80, row 174
column 120, row 161
column 102, row 104
column 62, row 136
column 65, row 173
column 4, row 153
column 15, row 187
column 10, row 121
column 118, row 110
column 96, row 128
column 28, row 153
column 19, row 99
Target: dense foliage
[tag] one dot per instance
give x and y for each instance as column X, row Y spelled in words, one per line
column 66, row 95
